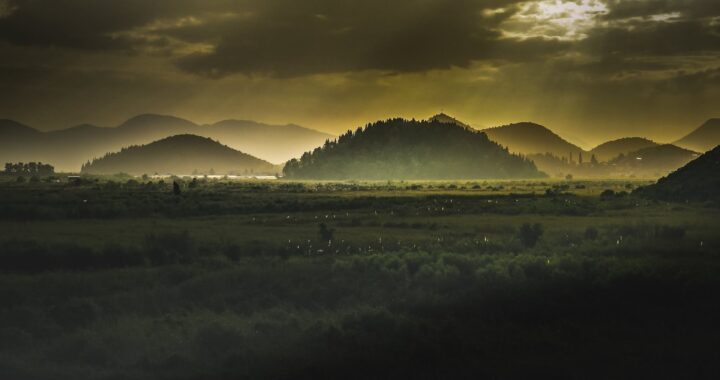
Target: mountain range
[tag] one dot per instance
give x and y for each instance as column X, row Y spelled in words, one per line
column 68, row 149
column 180, row 154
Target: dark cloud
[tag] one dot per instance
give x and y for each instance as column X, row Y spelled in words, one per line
column 89, row 24
column 654, row 38
column 332, row 36
column 622, row 9
column 696, row 82
column 284, row 38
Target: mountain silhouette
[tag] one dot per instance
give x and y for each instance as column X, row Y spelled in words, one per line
column 706, row 137
column 530, row 138
column 11, row 129
column 409, row 149
column 181, row 154
column 611, row 149
column 699, row 180
column 68, row 149
column 654, row 161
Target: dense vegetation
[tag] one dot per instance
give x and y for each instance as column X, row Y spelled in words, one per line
column 698, row 181
column 409, row 149
column 181, row 154
column 117, row 278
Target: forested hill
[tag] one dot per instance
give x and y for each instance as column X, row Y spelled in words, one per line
column 181, row 155
column 699, row 180
column 409, row 149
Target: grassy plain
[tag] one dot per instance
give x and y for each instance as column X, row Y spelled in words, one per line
column 115, row 278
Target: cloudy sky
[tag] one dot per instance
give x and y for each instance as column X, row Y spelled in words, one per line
column 589, row 69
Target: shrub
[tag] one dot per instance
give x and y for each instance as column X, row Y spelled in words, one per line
column 591, row 233
column 669, row 232
column 607, row 194
column 326, row 234
column 530, row 234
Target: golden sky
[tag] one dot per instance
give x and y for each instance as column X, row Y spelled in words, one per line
column 590, row 70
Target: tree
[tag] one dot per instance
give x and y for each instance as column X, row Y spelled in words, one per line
column 176, row 188
column 326, row 234
column 593, row 160
column 530, row 234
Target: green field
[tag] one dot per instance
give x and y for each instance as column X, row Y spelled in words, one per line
column 118, row 278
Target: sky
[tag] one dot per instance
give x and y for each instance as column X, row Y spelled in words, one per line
column 590, row 70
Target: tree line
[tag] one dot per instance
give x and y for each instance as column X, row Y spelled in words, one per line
column 29, row 168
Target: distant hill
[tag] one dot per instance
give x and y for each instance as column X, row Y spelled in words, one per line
column 531, row 138
column 68, row 149
column 699, row 180
column 404, row 149
column 654, row 161
column 611, row 149
column 13, row 129
column 275, row 143
column 181, row 154
column 706, row 137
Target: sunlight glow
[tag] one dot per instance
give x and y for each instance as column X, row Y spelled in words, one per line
column 566, row 20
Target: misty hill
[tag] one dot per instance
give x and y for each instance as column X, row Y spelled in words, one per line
column 653, row 161
column 181, row 154
column 67, row 149
column 706, row 137
column 699, row 180
column 611, row 149
column 13, row 129
column 275, row 143
column 404, row 149
column 531, row 138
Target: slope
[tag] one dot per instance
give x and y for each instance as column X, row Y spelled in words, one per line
column 704, row 138
column 699, row 180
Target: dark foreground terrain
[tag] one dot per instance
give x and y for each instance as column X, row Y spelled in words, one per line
column 123, row 279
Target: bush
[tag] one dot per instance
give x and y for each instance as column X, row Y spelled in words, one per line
column 591, row 233
column 670, row 232
column 530, row 234
column 607, row 194
column 326, row 234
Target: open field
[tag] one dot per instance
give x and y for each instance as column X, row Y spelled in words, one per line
column 115, row 279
